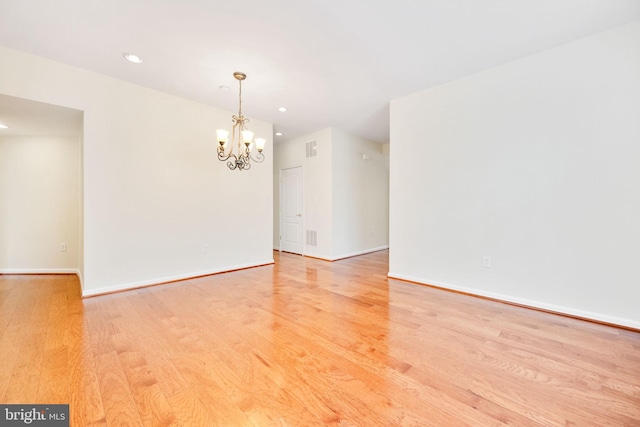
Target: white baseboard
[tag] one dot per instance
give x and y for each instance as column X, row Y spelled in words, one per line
column 39, row 271
column 160, row 280
column 349, row 255
column 339, row 257
column 366, row 251
column 570, row 311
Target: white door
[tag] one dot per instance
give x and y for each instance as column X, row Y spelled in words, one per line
column 291, row 225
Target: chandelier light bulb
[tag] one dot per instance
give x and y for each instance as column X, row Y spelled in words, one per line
column 247, row 136
column 223, row 135
column 260, row 144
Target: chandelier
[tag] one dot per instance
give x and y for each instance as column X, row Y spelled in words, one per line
column 241, row 139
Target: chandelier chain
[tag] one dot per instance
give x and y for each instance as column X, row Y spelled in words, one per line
column 240, row 99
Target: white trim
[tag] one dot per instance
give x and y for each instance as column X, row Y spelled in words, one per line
column 280, row 208
column 81, row 281
column 598, row 317
column 161, row 280
column 318, row 256
column 343, row 256
column 40, row 271
column 366, row 251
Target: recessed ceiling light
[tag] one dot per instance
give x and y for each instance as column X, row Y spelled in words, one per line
column 132, row 58
column 282, row 109
column 278, row 133
column 3, row 126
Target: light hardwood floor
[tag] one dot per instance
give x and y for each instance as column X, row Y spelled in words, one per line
column 307, row 342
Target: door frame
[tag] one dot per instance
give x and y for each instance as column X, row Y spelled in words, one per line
column 281, row 207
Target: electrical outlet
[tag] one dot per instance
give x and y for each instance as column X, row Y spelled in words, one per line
column 63, row 247
column 486, row 261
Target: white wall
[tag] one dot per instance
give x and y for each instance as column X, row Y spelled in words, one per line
column 360, row 195
column 346, row 197
column 154, row 192
column 535, row 164
column 39, row 204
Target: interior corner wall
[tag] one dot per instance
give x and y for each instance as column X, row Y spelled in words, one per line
column 360, row 195
column 317, row 187
column 157, row 203
column 39, row 204
column 80, row 207
column 535, row 165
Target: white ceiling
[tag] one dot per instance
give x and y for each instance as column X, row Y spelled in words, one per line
column 331, row 63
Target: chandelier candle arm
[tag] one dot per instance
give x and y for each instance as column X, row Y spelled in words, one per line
column 240, row 135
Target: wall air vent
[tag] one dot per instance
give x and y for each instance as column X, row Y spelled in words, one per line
column 312, row 238
column 312, row 149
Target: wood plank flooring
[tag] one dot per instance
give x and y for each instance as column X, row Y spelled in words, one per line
column 308, row 343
